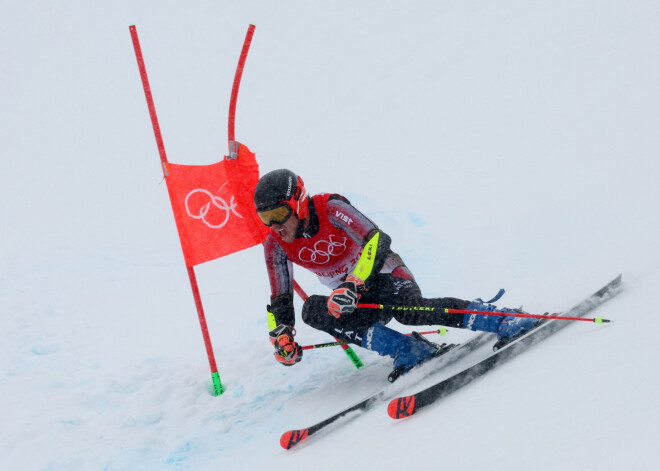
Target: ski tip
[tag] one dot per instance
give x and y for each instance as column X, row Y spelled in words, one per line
column 293, row 437
column 401, row 407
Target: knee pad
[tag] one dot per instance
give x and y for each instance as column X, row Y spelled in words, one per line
column 314, row 309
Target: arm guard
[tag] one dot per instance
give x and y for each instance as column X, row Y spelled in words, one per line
column 281, row 312
column 373, row 255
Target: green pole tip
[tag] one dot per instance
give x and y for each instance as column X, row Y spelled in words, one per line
column 442, row 331
column 354, row 358
column 218, row 388
column 600, row 320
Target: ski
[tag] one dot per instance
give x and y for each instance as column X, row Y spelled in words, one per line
column 291, row 438
column 406, row 406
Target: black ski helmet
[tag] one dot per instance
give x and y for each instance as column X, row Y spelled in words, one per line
column 281, row 187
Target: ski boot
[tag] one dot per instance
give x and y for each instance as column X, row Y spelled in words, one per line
column 507, row 328
column 407, row 352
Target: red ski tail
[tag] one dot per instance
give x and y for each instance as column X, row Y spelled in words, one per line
column 401, row 407
column 293, row 437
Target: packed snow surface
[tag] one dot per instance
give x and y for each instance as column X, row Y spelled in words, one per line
column 500, row 144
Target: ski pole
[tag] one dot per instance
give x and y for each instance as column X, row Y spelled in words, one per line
column 441, row 331
column 597, row 320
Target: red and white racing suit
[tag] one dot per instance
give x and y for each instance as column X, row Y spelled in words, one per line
column 330, row 246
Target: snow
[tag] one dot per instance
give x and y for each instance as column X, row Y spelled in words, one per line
column 501, row 144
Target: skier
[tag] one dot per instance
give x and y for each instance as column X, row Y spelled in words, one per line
column 352, row 256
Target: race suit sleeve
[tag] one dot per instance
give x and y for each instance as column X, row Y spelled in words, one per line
column 280, row 275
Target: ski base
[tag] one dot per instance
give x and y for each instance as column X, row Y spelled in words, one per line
column 292, row 438
column 408, row 405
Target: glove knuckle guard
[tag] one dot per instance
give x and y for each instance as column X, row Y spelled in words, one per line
column 287, row 351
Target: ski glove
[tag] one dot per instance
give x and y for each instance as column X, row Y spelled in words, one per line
column 287, row 351
column 344, row 299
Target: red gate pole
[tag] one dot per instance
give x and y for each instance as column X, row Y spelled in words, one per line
column 231, row 122
column 349, row 351
column 233, row 148
column 218, row 388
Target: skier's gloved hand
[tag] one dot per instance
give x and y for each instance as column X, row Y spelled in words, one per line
column 287, row 351
column 344, row 299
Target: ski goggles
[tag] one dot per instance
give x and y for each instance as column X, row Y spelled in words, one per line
column 278, row 215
